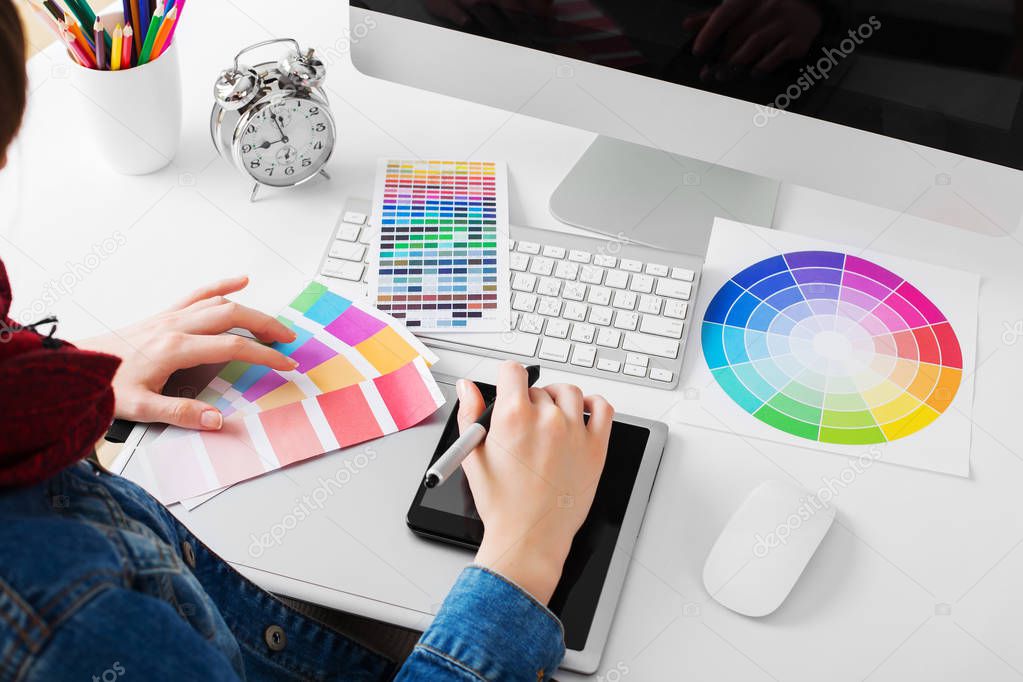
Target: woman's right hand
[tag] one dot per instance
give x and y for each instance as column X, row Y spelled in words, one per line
column 534, row 478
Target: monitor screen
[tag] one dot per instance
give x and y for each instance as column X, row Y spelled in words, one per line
column 942, row 74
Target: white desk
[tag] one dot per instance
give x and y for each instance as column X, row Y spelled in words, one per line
column 919, row 582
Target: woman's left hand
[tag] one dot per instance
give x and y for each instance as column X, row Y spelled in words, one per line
column 187, row 335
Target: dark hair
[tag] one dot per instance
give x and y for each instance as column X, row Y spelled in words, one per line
column 12, row 63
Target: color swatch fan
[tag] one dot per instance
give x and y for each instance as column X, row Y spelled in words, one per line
column 360, row 376
column 812, row 344
column 441, row 260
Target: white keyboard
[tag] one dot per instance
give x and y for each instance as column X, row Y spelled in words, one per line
column 593, row 306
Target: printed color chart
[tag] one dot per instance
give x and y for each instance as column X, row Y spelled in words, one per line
column 442, row 249
column 832, row 347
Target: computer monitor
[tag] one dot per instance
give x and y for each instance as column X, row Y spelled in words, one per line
column 914, row 106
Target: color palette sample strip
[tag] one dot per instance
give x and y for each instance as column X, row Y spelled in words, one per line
column 251, row 445
column 442, row 245
column 832, row 347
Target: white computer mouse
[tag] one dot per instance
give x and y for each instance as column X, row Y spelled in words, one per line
column 765, row 546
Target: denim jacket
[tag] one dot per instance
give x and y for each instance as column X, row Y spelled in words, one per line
column 99, row 581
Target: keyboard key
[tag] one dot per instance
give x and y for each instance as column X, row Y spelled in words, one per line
column 515, row 315
column 616, row 279
column 650, row 305
column 566, row 269
column 643, row 284
column 683, row 274
column 542, row 266
column 601, row 316
column 650, row 345
column 605, row 261
column 354, row 217
column 531, row 248
column 347, row 251
column 599, row 296
column 664, row 375
column 676, row 309
column 574, row 291
column 343, row 269
column 634, row 370
column 630, row 265
column 579, row 256
column 591, row 275
column 348, row 232
column 557, row 328
column 575, row 311
column 674, row 289
column 519, row 262
column 554, row 251
column 661, row 326
column 531, row 324
column 583, row 356
column 511, row 244
column 555, row 350
column 609, row 338
column 583, row 333
column 608, row 365
column 522, row 281
column 549, row 286
column 551, row 307
column 366, row 236
column 626, row 320
column 637, row 360
column 626, row 300
column 656, row 270
column 524, row 302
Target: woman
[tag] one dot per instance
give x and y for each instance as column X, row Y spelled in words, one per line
column 99, row 581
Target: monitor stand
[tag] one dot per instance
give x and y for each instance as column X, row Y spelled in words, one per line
column 648, row 196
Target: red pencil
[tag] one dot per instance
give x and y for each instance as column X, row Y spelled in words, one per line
column 126, row 48
column 79, row 55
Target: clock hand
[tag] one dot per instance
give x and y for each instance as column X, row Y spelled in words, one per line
column 284, row 138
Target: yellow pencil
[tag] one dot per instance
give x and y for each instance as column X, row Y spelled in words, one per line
column 115, row 51
column 165, row 29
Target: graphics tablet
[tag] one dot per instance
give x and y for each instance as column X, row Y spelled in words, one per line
column 586, row 598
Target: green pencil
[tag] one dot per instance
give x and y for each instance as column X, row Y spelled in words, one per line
column 154, row 28
column 86, row 17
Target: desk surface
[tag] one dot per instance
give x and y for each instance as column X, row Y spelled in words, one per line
column 919, row 580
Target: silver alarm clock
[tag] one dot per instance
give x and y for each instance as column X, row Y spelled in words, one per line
column 273, row 121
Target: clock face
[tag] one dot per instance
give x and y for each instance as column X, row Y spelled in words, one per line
column 286, row 142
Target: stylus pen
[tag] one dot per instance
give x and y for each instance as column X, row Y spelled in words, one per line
column 448, row 463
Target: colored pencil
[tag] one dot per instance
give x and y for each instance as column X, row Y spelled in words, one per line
column 141, row 27
column 116, row 50
column 161, row 36
column 79, row 54
column 43, row 13
column 180, row 7
column 80, row 37
column 136, row 27
column 154, row 28
column 55, row 11
column 126, row 11
column 101, row 48
column 128, row 41
column 86, row 17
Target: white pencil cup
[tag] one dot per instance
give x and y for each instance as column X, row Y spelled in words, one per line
column 133, row 116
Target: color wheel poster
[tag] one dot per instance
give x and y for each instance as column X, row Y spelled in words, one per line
column 818, row 345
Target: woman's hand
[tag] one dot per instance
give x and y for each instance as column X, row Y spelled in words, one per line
column 535, row 476
column 187, row 335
